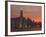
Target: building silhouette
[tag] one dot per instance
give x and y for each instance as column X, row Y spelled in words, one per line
column 22, row 24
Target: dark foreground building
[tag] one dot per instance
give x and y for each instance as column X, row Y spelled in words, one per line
column 23, row 24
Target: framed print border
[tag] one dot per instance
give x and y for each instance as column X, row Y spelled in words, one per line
column 6, row 18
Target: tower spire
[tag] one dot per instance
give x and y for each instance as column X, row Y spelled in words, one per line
column 21, row 13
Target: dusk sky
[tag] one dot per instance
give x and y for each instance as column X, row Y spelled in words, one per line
column 32, row 12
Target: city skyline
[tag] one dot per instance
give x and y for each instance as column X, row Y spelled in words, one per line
column 32, row 12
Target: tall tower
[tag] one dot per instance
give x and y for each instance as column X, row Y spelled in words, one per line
column 21, row 18
column 21, row 13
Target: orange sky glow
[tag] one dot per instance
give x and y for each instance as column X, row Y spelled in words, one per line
column 32, row 12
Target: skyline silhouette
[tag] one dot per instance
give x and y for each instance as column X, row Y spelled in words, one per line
column 32, row 12
column 22, row 24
